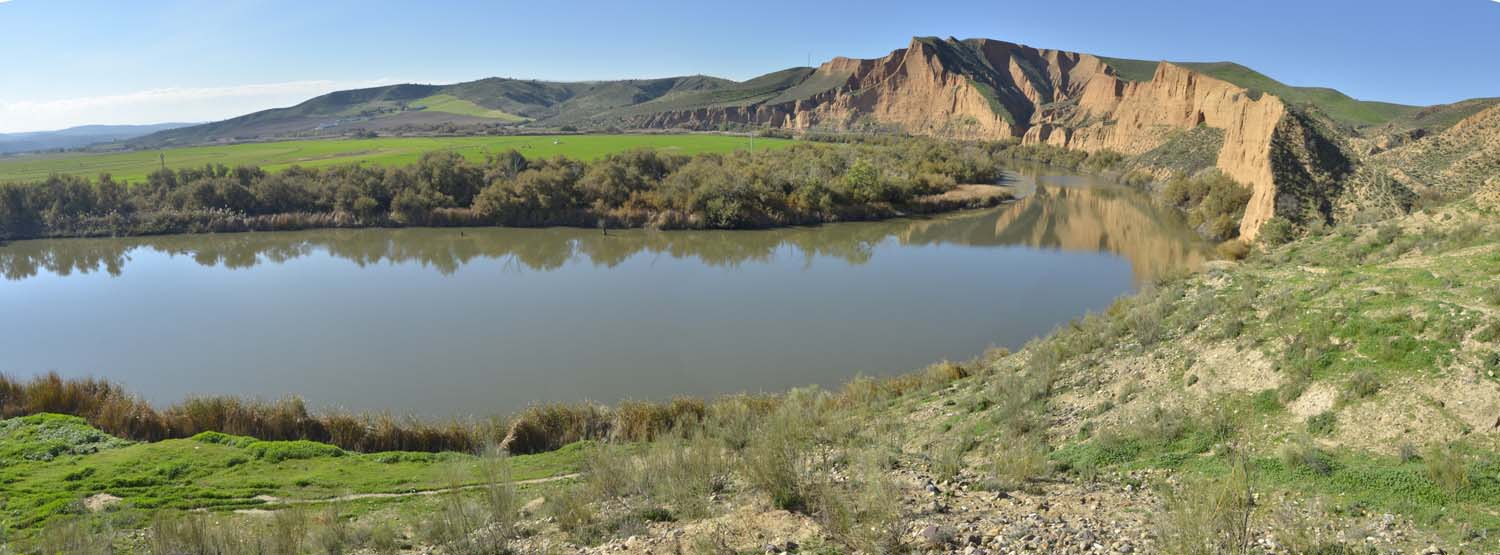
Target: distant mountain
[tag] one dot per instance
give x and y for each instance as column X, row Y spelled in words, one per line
column 77, row 137
column 493, row 101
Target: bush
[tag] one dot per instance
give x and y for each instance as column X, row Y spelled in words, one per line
column 777, row 459
column 1209, row 517
column 1277, row 231
column 863, row 514
column 219, row 438
column 1361, row 385
column 1016, row 463
column 277, row 451
column 1447, row 468
column 1302, row 453
column 1213, row 202
column 1323, row 423
column 1233, row 249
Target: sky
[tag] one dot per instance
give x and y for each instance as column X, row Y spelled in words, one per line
column 75, row 62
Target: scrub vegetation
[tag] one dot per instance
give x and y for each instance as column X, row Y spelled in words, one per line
column 800, row 184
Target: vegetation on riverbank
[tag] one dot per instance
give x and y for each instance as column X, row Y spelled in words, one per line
column 273, row 156
column 1332, row 395
column 801, row 184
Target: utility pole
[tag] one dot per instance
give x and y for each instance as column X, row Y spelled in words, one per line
column 163, row 161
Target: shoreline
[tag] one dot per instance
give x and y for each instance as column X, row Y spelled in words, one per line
column 960, row 198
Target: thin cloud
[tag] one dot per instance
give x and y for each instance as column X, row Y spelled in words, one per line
column 163, row 105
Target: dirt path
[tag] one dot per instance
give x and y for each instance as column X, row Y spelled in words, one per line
column 282, row 502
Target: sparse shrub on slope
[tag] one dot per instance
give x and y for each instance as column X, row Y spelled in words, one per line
column 1210, row 516
column 1214, row 203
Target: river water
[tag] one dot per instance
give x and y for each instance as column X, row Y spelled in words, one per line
column 440, row 322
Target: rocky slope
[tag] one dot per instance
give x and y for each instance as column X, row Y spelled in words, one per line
column 991, row 89
column 1455, row 162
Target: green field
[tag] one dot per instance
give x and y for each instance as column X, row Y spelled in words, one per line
column 454, row 105
column 134, row 166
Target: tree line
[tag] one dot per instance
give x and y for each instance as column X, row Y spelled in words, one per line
column 804, row 183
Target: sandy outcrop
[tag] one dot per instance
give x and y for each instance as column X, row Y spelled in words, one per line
column 1135, row 117
column 993, row 90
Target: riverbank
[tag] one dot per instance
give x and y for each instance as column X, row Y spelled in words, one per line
column 799, row 184
column 962, row 197
column 1334, row 395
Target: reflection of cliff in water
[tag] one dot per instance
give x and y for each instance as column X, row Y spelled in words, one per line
column 1114, row 220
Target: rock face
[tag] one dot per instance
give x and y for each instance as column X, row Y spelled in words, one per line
column 990, row 89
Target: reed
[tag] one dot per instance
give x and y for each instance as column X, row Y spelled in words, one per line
column 540, row 428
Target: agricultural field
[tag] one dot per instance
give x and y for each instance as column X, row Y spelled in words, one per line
column 135, row 166
column 454, row 105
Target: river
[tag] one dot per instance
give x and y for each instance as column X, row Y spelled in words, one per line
column 440, row 322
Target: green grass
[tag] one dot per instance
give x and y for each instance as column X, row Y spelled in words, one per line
column 454, row 105
column 272, row 156
column 50, row 463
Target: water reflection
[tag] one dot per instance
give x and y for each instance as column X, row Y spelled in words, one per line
column 1107, row 219
column 483, row 321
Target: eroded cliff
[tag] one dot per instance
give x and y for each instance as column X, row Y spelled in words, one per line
column 992, row 89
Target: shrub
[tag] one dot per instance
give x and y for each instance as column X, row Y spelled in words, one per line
column 1447, row 468
column 219, row 438
column 1361, row 385
column 776, row 460
column 1016, row 463
column 277, row 451
column 1233, row 249
column 1277, row 231
column 1302, row 453
column 685, row 473
column 1209, row 517
column 863, row 514
column 1214, row 203
column 1323, row 423
column 948, row 460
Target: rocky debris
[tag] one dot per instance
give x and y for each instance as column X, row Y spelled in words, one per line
column 533, row 507
column 99, row 501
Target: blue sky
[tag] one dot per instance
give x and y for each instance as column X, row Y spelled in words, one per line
column 69, row 62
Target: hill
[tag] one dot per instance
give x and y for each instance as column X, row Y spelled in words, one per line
column 77, row 137
column 486, row 102
column 1454, row 163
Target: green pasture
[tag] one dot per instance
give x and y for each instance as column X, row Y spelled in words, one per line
column 134, row 166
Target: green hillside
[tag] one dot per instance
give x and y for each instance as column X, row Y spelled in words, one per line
column 453, row 105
